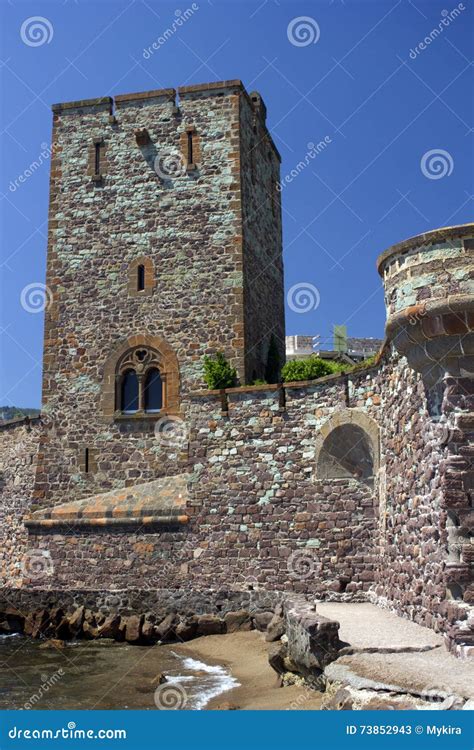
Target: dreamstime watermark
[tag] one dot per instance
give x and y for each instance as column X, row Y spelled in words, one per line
column 303, row 297
column 36, row 297
column 314, row 149
column 171, row 431
column 303, row 31
column 447, row 18
column 36, row 31
column 303, row 563
column 170, row 697
column 181, row 18
column 37, row 564
column 436, row 432
column 169, row 164
column 46, row 684
column 436, row 164
column 45, row 153
column 66, row 733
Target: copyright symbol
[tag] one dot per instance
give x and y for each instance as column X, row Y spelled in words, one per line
column 418, row 730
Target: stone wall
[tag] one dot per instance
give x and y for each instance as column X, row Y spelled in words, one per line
column 261, row 517
column 262, row 241
column 190, row 225
column 19, row 443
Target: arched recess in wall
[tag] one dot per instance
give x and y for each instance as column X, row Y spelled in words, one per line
column 160, row 365
column 348, row 446
column 141, row 277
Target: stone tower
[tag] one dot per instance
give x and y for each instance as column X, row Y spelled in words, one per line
column 164, row 246
column 429, row 295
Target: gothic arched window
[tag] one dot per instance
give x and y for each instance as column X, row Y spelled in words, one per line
column 129, row 392
column 139, row 383
column 153, row 390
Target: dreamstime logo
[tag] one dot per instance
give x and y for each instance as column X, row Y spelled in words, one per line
column 447, row 17
column 180, row 18
column 303, row 297
column 171, row 431
column 170, row 697
column 314, row 149
column 415, row 318
column 36, row 297
column 169, row 164
column 436, row 164
column 36, row 31
column 436, row 432
column 303, row 564
column 45, row 153
column 37, row 564
column 303, row 31
column 46, row 684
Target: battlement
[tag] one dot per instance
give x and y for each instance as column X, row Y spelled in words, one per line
column 174, row 96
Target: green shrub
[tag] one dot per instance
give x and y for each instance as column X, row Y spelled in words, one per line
column 218, row 373
column 309, row 369
column 259, row 381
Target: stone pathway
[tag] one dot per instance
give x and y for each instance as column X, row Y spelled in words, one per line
column 392, row 660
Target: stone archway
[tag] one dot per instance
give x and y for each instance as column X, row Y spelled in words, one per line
column 346, row 467
column 348, row 446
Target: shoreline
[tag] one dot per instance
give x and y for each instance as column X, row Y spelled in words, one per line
column 245, row 655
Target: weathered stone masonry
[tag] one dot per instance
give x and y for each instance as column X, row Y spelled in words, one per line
column 206, row 270
column 350, row 486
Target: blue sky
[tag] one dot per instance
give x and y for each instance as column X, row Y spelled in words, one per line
column 350, row 72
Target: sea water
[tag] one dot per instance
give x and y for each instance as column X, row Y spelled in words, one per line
column 104, row 675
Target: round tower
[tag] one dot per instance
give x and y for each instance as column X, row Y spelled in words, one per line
column 429, row 296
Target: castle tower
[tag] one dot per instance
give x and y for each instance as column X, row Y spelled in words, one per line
column 164, row 246
column 429, row 296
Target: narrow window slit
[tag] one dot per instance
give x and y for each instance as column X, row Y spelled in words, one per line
column 86, row 460
column 140, row 278
column 97, row 158
column 190, row 147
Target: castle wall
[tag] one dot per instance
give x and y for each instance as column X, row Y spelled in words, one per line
column 19, row 443
column 260, row 516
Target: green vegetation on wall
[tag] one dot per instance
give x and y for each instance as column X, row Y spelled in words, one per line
column 218, row 373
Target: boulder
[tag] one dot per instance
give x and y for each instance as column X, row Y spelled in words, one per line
column 342, row 700
column 35, row 623
column 262, row 620
column 75, row 622
column 209, row 625
column 149, row 634
column 90, row 630
column 160, row 679
column 110, row 628
column 186, row 629
column 239, row 620
column 275, row 629
column 166, row 629
column 133, row 628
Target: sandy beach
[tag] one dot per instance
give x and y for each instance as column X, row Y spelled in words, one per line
column 245, row 655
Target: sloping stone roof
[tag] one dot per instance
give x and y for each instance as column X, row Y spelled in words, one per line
column 162, row 501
